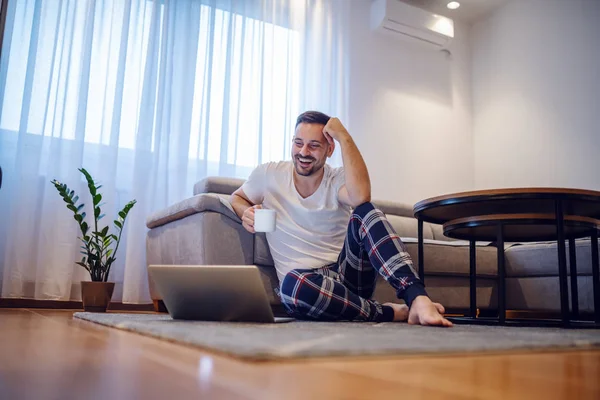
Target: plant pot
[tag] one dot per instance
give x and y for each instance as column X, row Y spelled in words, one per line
column 96, row 295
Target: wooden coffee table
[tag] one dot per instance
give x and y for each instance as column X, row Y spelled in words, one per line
column 520, row 215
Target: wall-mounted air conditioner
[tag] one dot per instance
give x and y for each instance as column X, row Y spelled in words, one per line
column 404, row 21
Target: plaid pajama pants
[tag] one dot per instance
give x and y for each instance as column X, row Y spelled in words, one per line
column 343, row 291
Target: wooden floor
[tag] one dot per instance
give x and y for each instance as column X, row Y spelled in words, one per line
column 45, row 354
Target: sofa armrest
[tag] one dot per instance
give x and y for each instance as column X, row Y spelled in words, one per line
column 199, row 203
column 197, row 231
column 394, row 208
column 218, row 184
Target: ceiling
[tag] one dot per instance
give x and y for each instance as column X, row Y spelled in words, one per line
column 470, row 11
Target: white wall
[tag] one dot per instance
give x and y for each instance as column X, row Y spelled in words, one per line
column 536, row 95
column 409, row 112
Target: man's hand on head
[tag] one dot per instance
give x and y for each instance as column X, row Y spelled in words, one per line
column 334, row 130
column 248, row 218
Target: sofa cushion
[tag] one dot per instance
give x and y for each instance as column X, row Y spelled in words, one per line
column 438, row 232
column 452, row 257
column 451, row 292
column 542, row 293
column 394, row 208
column 407, row 226
column 541, row 259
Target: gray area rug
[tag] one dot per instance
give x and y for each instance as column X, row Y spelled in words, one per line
column 301, row 339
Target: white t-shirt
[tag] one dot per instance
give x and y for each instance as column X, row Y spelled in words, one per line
column 310, row 231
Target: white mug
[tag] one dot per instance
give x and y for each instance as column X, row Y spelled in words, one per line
column 264, row 220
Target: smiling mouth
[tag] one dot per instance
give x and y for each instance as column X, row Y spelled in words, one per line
column 304, row 162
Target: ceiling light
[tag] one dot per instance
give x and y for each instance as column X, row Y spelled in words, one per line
column 453, row 5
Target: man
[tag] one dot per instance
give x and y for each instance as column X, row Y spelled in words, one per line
column 327, row 266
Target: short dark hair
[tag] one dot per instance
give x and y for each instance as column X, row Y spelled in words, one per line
column 312, row 117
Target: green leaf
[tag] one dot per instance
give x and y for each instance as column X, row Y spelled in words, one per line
column 90, row 181
column 83, row 214
column 97, row 199
column 128, row 208
column 114, row 237
column 117, row 223
column 96, row 212
column 72, row 208
column 82, row 264
column 104, row 231
column 108, row 253
column 78, row 217
column 87, row 175
column 84, row 227
column 122, row 214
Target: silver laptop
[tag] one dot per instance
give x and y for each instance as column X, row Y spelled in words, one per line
column 213, row 292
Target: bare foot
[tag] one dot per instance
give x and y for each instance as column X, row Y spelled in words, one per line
column 400, row 311
column 425, row 312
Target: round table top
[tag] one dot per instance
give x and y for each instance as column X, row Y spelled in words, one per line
column 519, row 227
column 441, row 209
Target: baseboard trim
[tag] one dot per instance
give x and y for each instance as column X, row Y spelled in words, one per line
column 67, row 305
column 159, row 306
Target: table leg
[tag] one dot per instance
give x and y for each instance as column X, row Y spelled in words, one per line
column 420, row 251
column 596, row 276
column 501, row 276
column 573, row 270
column 562, row 264
column 473, row 279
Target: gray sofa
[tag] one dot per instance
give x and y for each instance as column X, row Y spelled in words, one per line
column 204, row 230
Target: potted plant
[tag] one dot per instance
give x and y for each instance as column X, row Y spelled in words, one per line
column 99, row 246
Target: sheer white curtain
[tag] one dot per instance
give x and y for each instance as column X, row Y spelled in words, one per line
column 149, row 96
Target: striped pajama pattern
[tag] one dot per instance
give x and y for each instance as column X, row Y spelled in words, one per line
column 343, row 291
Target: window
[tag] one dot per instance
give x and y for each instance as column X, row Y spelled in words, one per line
column 223, row 84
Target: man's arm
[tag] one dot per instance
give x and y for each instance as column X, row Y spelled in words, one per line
column 357, row 189
column 244, row 209
column 240, row 202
